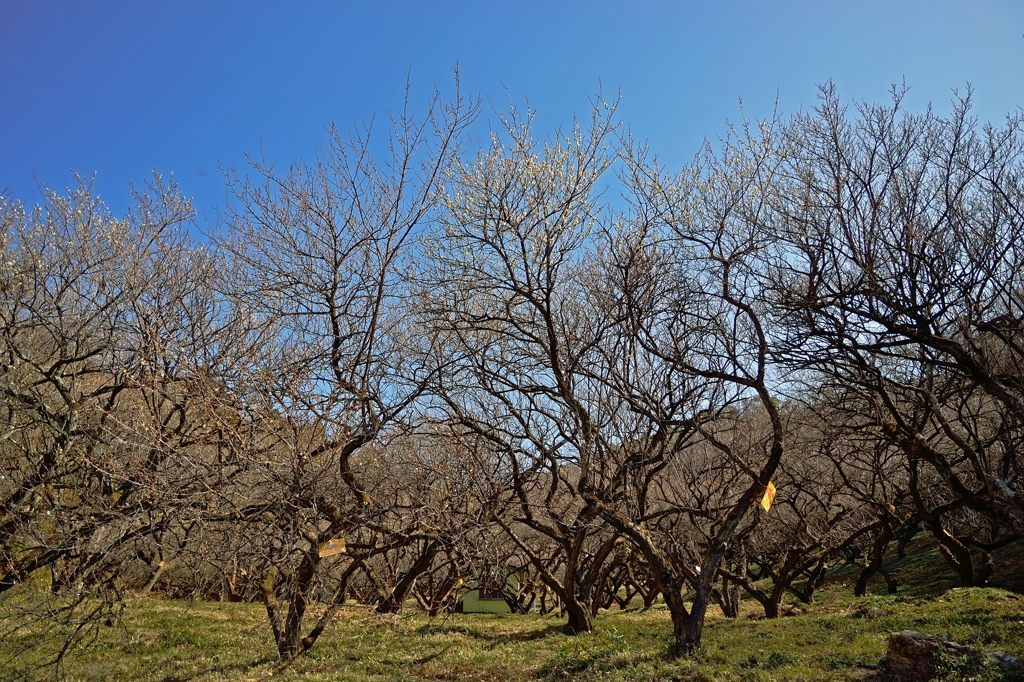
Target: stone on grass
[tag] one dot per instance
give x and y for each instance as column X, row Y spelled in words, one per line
column 912, row 655
column 1008, row 665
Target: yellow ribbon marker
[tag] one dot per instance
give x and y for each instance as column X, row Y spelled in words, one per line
column 769, row 496
column 332, row 547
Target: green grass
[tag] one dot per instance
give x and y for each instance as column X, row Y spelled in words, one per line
column 838, row 637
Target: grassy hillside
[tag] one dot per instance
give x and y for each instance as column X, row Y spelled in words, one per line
column 838, row 637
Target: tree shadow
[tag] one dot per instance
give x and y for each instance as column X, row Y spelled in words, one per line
column 240, row 667
column 494, row 639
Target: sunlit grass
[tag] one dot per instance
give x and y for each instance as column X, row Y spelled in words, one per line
column 838, row 637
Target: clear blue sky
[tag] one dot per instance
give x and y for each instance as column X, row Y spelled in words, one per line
column 124, row 87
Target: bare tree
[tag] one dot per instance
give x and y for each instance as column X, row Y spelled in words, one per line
column 104, row 333
column 902, row 281
column 507, row 294
column 315, row 254
column 706, row 317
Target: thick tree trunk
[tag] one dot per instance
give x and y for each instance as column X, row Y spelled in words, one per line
column 577, row 589
column 650, row 595
column 290, row 645
column 686, row 625
column 287, row 626
column 573, row 597
column 768, row 601
column 577, row 609
column 731, row 589
column 337, row 599
column 393, row 602
column 440, row 597
column 877, row 553
column 957, row 555
column 953, row 551
column 689, row 627
column 580, row 617
column 687, row 634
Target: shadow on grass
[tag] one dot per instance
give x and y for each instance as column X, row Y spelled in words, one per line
column 494, row 638
column 924, row 574
column 225, row 668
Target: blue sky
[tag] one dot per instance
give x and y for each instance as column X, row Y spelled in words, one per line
column 121, row 88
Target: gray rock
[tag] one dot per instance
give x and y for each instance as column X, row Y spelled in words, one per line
column 910, row 655
column 1008, row 665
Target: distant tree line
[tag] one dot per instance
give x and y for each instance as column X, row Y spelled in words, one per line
column 447, row 354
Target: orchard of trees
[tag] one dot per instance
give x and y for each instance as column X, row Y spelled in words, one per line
column 544, row 353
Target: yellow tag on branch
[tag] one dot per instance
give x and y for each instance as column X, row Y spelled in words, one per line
column 769, row 496
column 332, row 547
